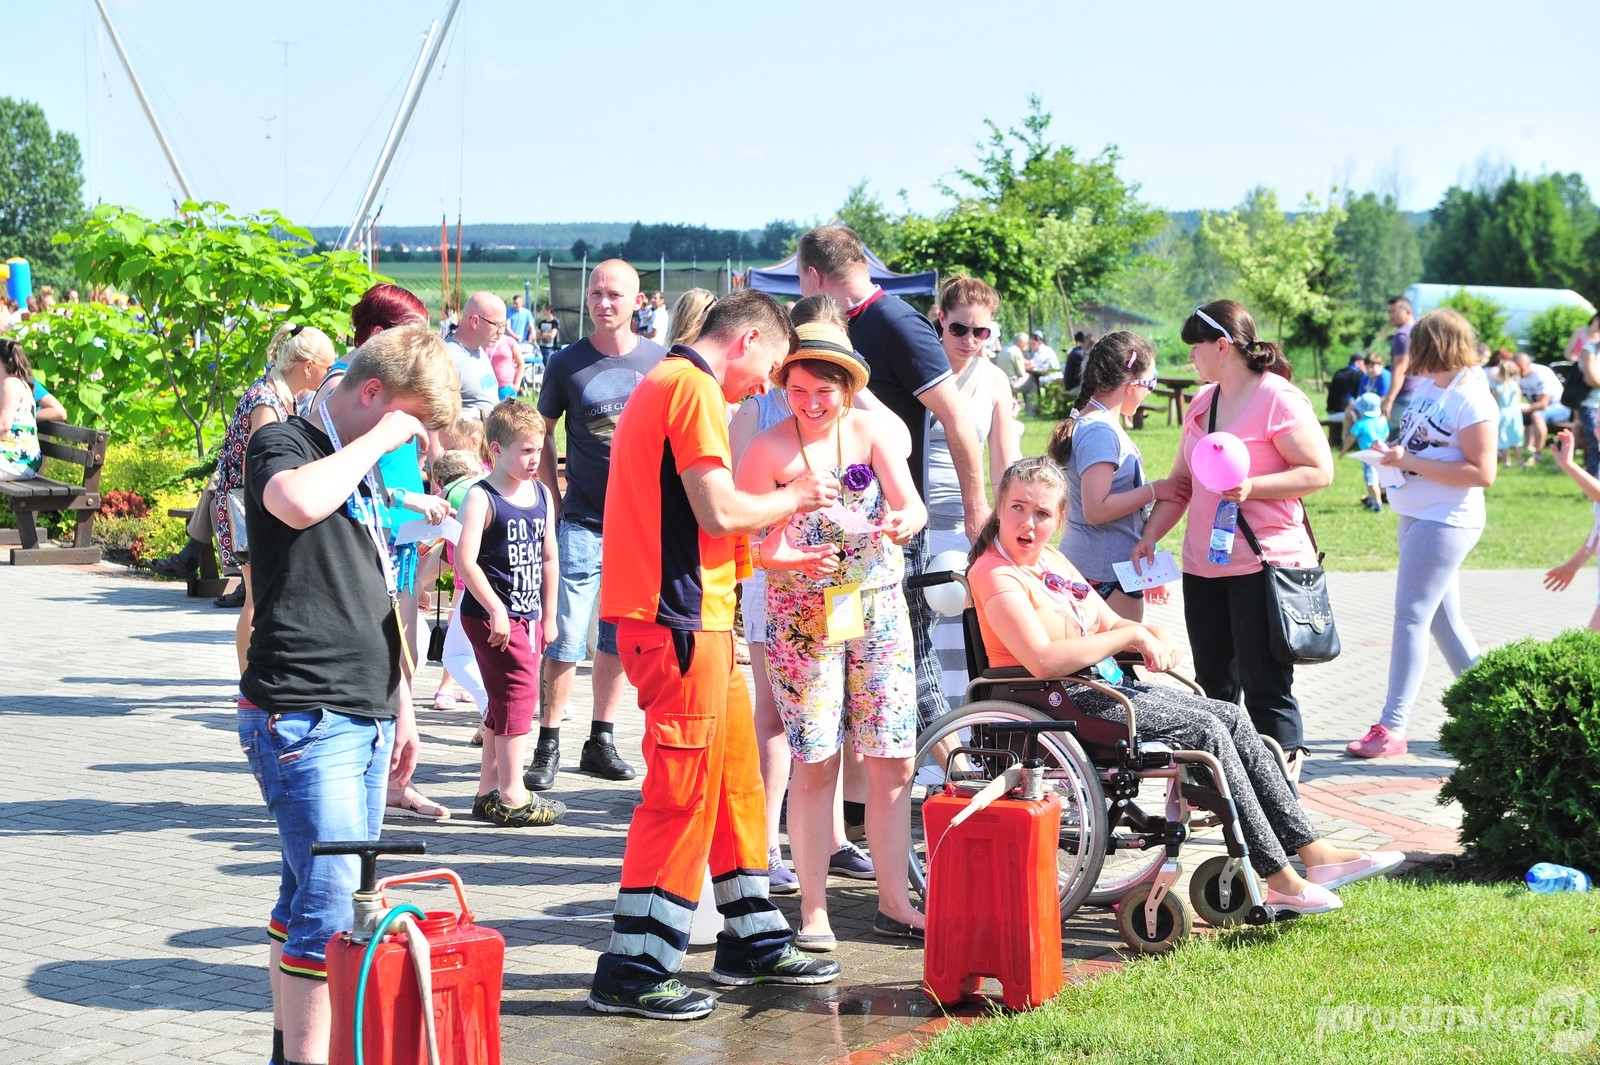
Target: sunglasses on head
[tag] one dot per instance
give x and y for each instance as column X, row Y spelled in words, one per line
column 961, row 329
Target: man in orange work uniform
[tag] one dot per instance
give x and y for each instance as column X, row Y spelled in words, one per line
column 667, row 580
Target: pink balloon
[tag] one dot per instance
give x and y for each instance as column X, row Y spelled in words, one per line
column 1220, row 461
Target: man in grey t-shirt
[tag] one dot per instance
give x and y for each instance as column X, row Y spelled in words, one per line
column 483, row 319
column 588, row 383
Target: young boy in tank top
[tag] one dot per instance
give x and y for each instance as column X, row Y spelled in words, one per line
column 506, row 557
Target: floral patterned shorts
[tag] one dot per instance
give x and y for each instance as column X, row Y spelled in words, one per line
column 865, row 686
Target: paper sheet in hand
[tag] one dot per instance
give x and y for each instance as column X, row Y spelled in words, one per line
column 1388, row 476
column 847, row 519
column 418, row 529
column 1162, row 571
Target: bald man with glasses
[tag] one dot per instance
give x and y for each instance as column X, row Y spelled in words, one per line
column 483, row 319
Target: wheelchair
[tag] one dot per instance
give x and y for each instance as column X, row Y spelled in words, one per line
column 1129, row 802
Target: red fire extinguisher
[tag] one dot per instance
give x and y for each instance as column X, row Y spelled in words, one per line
column 425, row 995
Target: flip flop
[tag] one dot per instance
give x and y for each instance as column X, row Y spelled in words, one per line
column 415, row 804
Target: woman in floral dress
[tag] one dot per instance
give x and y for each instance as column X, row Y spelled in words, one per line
column 838, row 638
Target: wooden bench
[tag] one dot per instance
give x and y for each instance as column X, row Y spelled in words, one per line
column 80, row 447
column 210, row 583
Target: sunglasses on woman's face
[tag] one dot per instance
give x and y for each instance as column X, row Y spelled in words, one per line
column 1144, row 382
column 961, row 329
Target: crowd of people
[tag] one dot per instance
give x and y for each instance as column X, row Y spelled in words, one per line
column 799, row 466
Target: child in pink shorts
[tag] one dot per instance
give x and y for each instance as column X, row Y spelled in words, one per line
column 507, row 559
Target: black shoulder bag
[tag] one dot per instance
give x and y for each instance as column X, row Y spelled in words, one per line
column 1300, row 629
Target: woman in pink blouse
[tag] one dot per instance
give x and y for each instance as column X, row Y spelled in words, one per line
column 1225, row 604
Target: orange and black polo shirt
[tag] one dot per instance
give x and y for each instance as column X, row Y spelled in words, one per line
column 657, row 565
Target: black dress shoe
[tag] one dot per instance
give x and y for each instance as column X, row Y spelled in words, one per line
column 600, row 757
column 232, row 600
column 541, row 775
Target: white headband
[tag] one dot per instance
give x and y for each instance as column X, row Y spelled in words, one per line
column 1212, row 322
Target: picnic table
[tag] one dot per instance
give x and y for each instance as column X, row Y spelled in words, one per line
column 1176, row 392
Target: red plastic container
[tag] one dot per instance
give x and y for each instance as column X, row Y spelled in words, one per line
column 468, row 964
column 992, row 904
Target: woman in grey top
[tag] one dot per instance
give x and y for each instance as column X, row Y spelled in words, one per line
column 1108, row 497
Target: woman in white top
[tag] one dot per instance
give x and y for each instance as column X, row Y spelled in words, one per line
column 1447, row 449
column 964, row 319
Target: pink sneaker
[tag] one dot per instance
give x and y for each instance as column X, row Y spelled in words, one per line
column 1314, row 899
column 1337, row 874
column 1379, row 742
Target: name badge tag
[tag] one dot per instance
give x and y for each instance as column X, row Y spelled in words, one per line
column 842, row 605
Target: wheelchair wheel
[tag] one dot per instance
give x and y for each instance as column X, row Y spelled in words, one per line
column 1173, row 923
column 1068, row 771
column 1205, row 891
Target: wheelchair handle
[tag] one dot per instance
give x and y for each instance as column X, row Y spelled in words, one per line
column 933, row 578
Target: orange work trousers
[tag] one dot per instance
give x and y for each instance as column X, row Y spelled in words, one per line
column 702, row 803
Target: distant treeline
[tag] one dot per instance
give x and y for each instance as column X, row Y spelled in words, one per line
column 530, row 236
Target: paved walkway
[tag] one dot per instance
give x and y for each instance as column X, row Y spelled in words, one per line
column 142, row 864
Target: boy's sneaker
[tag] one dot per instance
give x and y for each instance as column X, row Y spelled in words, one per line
column 670, row 1000
column 483, row 804
column 792, row 966
column 536, row 811
column 541, row 775
column 849, row 861
column 600, row 757
column 1372, row 504
column 780, row 881
column 1379, row 742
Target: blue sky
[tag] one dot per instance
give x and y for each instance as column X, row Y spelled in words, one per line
column 731, row 115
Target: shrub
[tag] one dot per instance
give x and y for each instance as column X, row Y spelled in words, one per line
column 1550, row 330
column 1488, row 318
column 1525, row 727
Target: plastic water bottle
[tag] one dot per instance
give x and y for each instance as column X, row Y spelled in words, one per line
column 1547, row 878
column 1222, row 533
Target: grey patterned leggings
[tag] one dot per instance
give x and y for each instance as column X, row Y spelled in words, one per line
column 1271, row 819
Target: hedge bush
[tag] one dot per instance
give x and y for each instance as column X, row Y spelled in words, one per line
column 1524, row 725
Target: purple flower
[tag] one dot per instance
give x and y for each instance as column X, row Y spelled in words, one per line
column 857, row 476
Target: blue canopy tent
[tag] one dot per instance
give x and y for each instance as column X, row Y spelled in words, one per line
column 782, row 280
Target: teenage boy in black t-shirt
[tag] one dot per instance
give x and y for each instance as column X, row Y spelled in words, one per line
column 324, row 717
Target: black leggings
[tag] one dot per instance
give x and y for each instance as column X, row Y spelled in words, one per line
column 1227, row 621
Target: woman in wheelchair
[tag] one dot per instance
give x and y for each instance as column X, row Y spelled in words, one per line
column 1036, row 611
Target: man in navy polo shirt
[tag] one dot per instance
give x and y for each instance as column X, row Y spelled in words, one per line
column 911, row 375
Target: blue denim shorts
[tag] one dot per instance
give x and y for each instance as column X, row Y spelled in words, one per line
column 324, row 776
column 578, row 595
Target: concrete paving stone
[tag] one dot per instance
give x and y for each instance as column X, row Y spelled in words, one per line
column 152, row 868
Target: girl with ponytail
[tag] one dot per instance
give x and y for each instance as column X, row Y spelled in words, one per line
column 1225, row 606
column 1108, row 495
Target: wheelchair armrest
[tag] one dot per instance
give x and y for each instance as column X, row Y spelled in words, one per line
column 1003, row 673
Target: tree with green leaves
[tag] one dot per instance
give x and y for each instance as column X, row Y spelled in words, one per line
column 41, row 190
column 1381, row 254
column 1075, row 222
column 866, row 215
column 207, row 290
column 1525, row 232
column 1551, row 331
column 1289, row 270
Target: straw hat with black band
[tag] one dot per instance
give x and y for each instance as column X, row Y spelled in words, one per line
column 824, row 343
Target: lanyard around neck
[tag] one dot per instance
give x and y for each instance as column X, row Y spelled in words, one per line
column 366, row 509
column 1060, row 597
column 838, row 438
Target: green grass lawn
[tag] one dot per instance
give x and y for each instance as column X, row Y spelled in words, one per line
column 1537, row 518
column 1410, row 971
